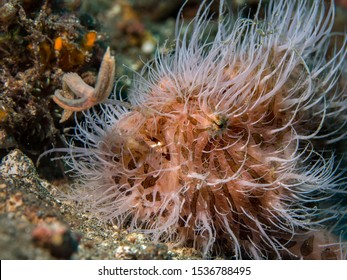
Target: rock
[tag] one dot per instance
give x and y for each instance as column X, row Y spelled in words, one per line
column 34, row 224
column 57, row 238
column 27, row 209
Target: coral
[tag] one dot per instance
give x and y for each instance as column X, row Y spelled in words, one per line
column 39, row 42
column 228, row 145
column 8, row 11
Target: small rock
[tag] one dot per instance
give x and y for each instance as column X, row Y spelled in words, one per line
column 14, row 202
column 144, row 251
column 16, row 163
column 56, row 237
